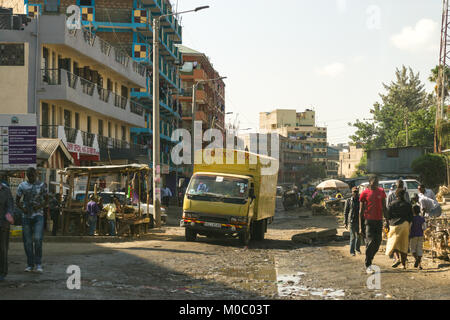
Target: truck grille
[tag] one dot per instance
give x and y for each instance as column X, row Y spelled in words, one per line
column 214, row 219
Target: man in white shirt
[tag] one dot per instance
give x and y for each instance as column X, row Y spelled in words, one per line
column 429, row 207
column 427, row 192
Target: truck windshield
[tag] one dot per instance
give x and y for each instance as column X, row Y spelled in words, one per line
column 218, row 186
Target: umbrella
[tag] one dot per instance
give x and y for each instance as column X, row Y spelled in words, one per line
column 332, row 184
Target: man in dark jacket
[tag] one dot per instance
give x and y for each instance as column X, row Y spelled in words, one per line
column 6, row 218
column 352, row 219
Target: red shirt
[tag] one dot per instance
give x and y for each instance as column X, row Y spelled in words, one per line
column 374, row 203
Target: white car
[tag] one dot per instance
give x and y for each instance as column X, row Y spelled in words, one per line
column 411, row 185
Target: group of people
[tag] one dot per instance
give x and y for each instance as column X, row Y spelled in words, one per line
column 95, row 207
column 404, row 221
column 31, row 201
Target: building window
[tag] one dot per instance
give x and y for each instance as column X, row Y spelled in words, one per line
column 109, row 129
column 77, row 121
column 86, row 3
column 89, row 128
column 124, row 133
column 67, row 119
column 100, row 127
column 392, row 153
column 12, row 54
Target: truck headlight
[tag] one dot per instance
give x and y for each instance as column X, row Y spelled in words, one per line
column 190, row 215
column 239, row 220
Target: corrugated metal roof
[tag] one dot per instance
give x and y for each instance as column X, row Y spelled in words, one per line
column 46, row 148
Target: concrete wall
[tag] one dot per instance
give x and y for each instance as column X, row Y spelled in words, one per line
column 14, row 86
column 393, row 160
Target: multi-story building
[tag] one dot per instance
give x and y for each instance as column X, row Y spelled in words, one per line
column 348, row 160
column 127, row 26
column 332, row 162
column 209, row 95
column 76, row 85
column 303, row 143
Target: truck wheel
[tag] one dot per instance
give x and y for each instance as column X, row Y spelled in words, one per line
column 258, row 230
column 244, row 238
column 190, row 235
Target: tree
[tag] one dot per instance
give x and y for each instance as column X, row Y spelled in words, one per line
column 431, row 168
column 361, row 167
column 402, row 118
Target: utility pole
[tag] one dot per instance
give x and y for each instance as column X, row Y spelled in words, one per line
column 156, row 133
column 442, row 82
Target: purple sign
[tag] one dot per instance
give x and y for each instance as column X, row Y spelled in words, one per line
column 22, row 150
column 22, row 131
column 22, row 140
column 22, row 159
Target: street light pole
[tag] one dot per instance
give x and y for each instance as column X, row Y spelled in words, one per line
column 156, row 133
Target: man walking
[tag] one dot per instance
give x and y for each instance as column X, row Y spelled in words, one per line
column 6, row 218
column 35, row 199
column 372, row 209
column 352, row 217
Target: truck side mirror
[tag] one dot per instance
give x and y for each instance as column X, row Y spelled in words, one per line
column 251, row 193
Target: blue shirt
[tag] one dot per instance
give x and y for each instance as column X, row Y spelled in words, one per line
column 33, row 195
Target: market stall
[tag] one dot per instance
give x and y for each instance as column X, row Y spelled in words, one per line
column 134, row 216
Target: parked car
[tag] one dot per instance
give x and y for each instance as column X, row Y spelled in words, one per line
column 411, row 185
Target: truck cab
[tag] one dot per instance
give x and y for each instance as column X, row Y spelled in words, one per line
column 229, row 200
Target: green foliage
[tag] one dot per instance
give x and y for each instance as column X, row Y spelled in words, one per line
column 431, row 168
column 405, row 115
column 361, row 168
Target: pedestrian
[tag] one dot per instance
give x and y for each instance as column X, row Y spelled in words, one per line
column 166, row 194
column 399, row 184
column 429, row 206
column 416, row 237
column 392, row 196
column 55, row 208
column 92, row 212
column 35, row 199
column 400, row 216
column 351, row 215
column 6, row 218
column 111, row 209
column 427, row 192
column 371, row 211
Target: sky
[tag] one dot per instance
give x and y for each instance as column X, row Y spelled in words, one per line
column 330, row 55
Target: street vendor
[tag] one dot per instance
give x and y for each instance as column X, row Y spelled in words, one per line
column 111, row 210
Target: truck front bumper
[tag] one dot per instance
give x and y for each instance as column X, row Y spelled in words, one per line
column 204, row 227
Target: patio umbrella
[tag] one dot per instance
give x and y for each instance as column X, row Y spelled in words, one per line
column 332, row 184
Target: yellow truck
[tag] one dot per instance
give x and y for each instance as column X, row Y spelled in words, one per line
column 235, row 200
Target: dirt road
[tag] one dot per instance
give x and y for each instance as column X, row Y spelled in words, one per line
column 166, row 267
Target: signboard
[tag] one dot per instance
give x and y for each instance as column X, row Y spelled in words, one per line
column 18, row 139
column 72, row 147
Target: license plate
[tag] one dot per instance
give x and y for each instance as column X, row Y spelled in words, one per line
column 213, row 225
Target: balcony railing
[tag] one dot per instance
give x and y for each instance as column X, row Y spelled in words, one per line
column 53, row 77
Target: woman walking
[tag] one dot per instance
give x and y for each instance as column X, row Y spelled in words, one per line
column 400, row 216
